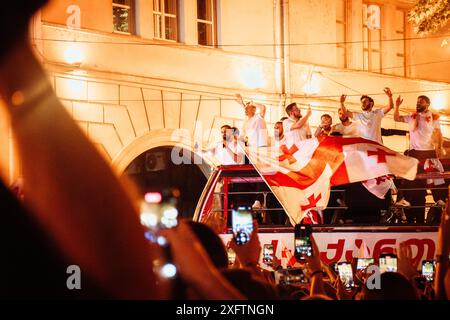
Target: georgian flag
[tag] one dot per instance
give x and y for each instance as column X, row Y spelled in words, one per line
column 301, row 175
column 434, row 165
column 379, row 186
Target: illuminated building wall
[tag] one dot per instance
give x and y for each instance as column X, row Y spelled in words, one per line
column 168, row 68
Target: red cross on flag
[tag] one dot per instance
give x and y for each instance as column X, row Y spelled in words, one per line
column 301, row 175
column 379, row 186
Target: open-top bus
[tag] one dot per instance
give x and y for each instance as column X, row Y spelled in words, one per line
column 241, row 185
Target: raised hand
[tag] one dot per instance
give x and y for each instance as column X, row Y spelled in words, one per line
column 195, row 266
column 313, row 262
column 341, row 292
column 406, row 264
column 399, row 101
column 388, row 92
column 239, row 99
column 248, row 254
column 343, row 97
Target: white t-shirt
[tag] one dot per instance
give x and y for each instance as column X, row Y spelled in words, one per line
column 255, row 130
column 295, row 135
column 370, row 124
column 351, row 130
column 420, row 138
column 225, row 155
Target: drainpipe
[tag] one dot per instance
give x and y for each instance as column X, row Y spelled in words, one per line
column 286, row 79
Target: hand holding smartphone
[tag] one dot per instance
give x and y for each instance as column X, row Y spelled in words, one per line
column 428, row 269
column 302, row 242
column 242, row 222
column 388, row 263
column 290, row 276
column 346, row 275
column 363, row 263
column 268, row 254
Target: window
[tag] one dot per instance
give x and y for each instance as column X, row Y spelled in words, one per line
column 400, row 33
column 165, row 19
column 206, row 22
column 341, row 33
column 371, row 41
column 123, row 16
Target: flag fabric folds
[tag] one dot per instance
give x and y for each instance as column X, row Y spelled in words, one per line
column 301, row 175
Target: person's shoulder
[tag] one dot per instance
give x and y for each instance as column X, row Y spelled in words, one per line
column 287, row 123
column 379, row 111
column 358, row 115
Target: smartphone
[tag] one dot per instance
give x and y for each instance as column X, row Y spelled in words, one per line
column 388, row 263
column 290, row 276
column 334, row 265
column 231, row 256
column 268, row 254
column 302, row 241
column 159, row 211
column 363, row 263
column 428, row 269
column 242, row 221
column 346, row 274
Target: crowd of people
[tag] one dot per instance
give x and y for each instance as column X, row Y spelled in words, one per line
column 77, row 212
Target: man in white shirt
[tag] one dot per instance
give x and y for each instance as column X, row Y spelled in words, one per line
column 296, row 128
column 347, row 127
column 227, row 151
column 364, row 207
column 369, row 119
column 236, row 150
column 423, row 126
column 254, row 131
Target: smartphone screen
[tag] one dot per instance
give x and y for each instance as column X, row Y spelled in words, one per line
column 268, row 254
column 231, row 256
column 388, row 263
column 428, row 269
column 290, row 276
column 363, row 263
column 346, row 274
column 242, row 220
column 302, row 241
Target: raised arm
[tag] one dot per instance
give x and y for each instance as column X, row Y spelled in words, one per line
column 437, row 133
column 397, row 116
column 389, row 107
column 302, row 121
column 195, row 266
column 262, row 109
column 239, row 99
column 344, row 109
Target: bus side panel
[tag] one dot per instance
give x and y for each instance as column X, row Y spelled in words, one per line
column 343, row 246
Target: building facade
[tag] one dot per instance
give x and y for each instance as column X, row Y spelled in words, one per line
column 143, row 74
